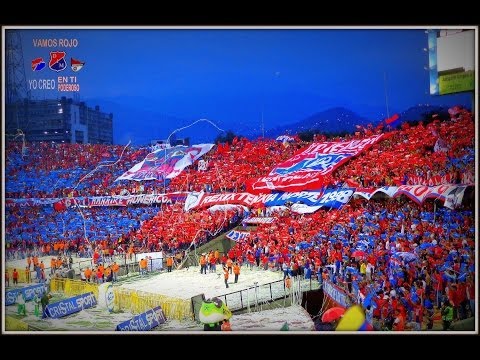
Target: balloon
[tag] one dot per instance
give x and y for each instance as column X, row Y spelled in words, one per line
column 352, row 320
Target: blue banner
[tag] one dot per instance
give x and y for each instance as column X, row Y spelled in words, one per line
column 236, row 235
column 27, row 292
column 336, row 198
column 69, row 306
column 143, row 322
column 310, row 198
column 336, row 294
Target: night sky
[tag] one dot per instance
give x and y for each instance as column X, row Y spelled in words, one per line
column 157, row 79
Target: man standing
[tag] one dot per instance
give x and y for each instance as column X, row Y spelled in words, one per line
column 236, row 271
column 15, row 277
column 225, row 275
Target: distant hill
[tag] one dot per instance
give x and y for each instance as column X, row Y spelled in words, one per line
column 155, row 125
column 417, row 112
column 333, row 120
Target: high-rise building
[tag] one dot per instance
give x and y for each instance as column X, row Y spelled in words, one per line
column 62, row 120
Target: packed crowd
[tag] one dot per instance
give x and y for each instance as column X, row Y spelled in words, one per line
column 388, row 255
column 391, row 256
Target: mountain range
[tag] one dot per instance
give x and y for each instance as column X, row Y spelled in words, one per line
column 143, row 122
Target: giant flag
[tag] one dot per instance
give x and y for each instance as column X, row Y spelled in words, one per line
column 306, row 170
column 166, row 163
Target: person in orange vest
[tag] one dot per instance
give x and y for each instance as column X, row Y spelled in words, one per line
column 88, row 273
column 27, row 274
column 108, row 274
column 115, row 270
column 53, row 265
column 169, row 263
column 225, row 275
column 143, row 266
column 236, row 271
column 15, row 277
column 229, row 265
column 100, row 274
column 203, row 266
column 101, row 268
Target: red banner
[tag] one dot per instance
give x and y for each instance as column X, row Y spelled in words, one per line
column 433, row 181
column 307, row 169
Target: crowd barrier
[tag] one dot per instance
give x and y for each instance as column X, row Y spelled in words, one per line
column 127, row 299
column 12, row 324
column 24, row 276
column 73, row 287
column 140, row 301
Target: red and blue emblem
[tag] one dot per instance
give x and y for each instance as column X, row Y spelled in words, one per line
column 38, row 64
column 57, row 61
column 76, row 65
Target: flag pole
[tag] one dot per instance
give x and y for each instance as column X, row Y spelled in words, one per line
column 386, row 95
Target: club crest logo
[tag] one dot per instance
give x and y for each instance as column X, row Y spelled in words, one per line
column 76, row 65
column 57, row 61
column 38, row 64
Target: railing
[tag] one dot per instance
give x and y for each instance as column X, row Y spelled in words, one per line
column 258, row 294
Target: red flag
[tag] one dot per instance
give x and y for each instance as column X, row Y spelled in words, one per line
column 392, row 119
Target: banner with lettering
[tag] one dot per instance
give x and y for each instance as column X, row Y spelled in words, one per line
column 236, row 235
column 310, row 198
column 366, row 193
column 144, row 321
column 432, row 181
column 200, row 200
column 27, row 292
column 336, row 198
column 305, row 170
column 70, row 306
column 115, row 200
column 419, row 193
column 11, row 202
column 259, row 220
column 166, row 163
column 337, row 294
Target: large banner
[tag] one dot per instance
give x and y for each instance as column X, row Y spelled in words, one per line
column 419, row 193
column 144, row 321
column 432, row 181
column 27, row 292
column 69, row 306
column 305, row 170
column 200, row 200
column 10, row 202
column 336, row 198
column 310, row 198
column 166, row 163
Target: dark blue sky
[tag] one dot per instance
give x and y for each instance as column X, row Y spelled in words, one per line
column 229, row 76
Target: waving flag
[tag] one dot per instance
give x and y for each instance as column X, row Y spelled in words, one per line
column 392, row 119
column 166, row 163
column 307, row 169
